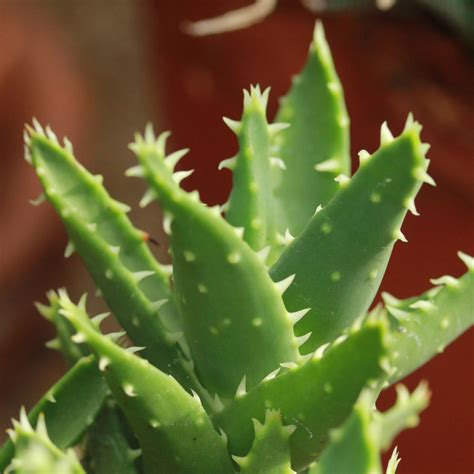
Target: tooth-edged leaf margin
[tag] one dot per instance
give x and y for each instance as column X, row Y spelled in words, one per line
column 319, row 132
column 341, row 256
column 108, row 448
column 67, row 307
column 270, row 451
column 351, row 447
column 69, row 407
column 421, row 327
column 315, row 397
column 403, row 414
column 355, row 446
column 250, row 203
column 229, row 336
column 71, row 351
column 114, row 252
column 171, row 426
column 36, row 453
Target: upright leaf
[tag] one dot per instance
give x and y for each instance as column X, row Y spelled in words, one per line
column 318, row 133
column 355, row 446
column 351, row 447
column 251, row 203
column 133, row 283
column 340, row 258
column 234, row 318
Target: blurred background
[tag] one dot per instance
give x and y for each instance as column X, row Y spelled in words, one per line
column 98, row 71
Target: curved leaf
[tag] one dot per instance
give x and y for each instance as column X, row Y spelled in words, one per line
column 174, row 431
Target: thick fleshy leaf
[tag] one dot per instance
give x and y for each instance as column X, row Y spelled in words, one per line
column 35, row 453
column 316, row 396
column 403, row 414
column 133, row 283
column 70, row 350
column 69, row 407
column 318, row 133
column 340, row 258
column 270, row 453
column 234, row 318
column 351, row 447
column 421, row 327
column 108, row 450
column 174, row 431
column 355, row 446
column 251, row 203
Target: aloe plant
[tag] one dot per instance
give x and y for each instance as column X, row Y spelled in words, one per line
column 256, row 351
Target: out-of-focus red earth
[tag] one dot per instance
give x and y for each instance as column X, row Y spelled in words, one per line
column 38, row 77
column 389, row 65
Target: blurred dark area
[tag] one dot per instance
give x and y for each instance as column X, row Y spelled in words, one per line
column 98, row 71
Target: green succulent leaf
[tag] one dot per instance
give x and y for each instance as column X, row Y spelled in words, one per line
column 245, row 368
column 235, row 321
column 315, row 397
column 404, row 414
column 69, row 407
column 35, row 453
column 71, row 351
column 270, row 453
column 340, row 258
column 355, row 446
column 351, row 447
column 133, row 283
column 318, row 133
column 174, row 431
column 108, row 449
column 251, row 202
column 421, row 327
